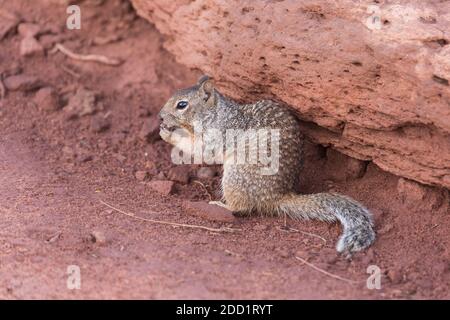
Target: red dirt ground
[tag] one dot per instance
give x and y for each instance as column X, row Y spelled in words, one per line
column 55, row 171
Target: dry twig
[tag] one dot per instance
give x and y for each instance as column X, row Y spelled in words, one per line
column 335, row 276
column 54, row 237
column 193, row 226
column 70, row 71
column 87, row 57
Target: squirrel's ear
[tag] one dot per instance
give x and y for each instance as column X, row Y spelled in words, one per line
column 206, row 87
column 202, row 79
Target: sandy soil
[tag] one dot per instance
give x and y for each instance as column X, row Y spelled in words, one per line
column 56, row 167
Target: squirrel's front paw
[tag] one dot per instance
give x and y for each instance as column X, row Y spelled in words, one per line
column 356, row 239
column 219, row 203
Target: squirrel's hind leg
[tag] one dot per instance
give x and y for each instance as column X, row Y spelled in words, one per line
column 224, row 205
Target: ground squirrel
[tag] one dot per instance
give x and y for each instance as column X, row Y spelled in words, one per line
column 245, row 189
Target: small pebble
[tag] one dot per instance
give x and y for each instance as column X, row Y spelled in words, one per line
column 22, row 82
column 163, row 187
column 97, row 237
column 141, row 175
column 47, row 99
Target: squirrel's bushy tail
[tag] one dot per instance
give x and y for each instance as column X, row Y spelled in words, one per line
column 356, row 220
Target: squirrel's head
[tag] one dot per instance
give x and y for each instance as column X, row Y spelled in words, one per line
column 186, row 106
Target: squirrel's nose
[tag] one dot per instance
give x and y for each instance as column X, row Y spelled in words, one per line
column 161, row 115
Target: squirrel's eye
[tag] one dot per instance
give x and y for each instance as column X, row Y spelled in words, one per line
column 182, row 105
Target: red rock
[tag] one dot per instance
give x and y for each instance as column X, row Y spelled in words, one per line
column 100, row 124
column 29, row 45
column 98, row 237
column 47, row 99
column 8, row 23
column 179, row 174
column 27, row 30
column 22, row 82
column 163, row 187
column 415, row 194
column 208, row 211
